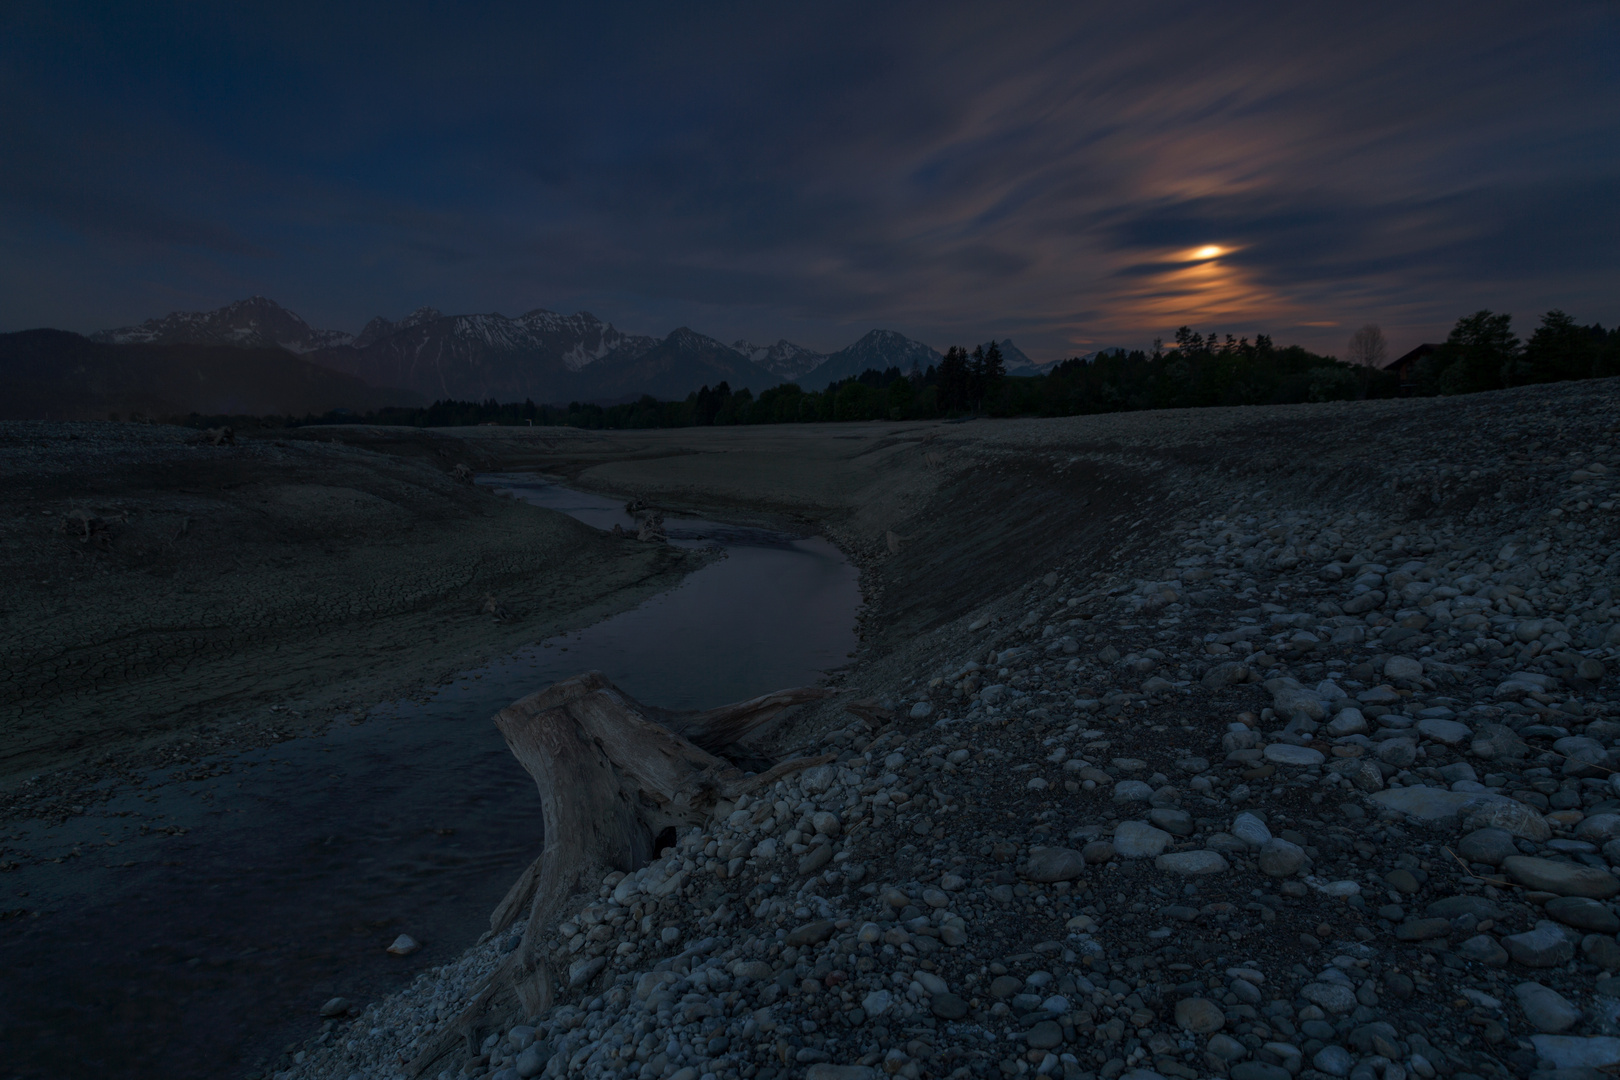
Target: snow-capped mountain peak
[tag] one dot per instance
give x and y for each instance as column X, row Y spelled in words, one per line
column 784, row 358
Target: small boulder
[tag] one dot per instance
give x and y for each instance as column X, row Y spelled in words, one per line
column 1546, row 946
column 1200, row 1016
column 1280, row 859
column 1048, row 864
column 1565, row 879
column 1546, row 1009
column 1583, row 913
column 1489, row 845
column 1192, row 863
column 1139, row 840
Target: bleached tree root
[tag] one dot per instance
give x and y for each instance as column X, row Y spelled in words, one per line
column 613, row 776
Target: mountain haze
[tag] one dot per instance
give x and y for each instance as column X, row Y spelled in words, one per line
column 536, row 356
column 878, row 350
column 784, row 358
column 540, row 355
column 57, row 375
column 681, row 363
column 253, row 323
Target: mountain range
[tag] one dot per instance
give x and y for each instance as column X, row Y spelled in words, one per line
column 540, row 355
column 57, row 375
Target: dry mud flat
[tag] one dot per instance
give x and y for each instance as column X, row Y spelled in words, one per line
column 165, row 598
column 1253, row 743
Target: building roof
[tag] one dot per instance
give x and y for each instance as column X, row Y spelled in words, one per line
column 1406, row 358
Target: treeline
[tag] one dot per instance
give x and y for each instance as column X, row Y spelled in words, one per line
column 1481, row 353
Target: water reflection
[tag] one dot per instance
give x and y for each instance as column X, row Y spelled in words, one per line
column 198, row 923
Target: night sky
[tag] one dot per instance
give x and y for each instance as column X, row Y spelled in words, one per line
column 1072, row 175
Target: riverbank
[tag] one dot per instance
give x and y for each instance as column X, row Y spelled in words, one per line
column 167, row 599
column 1257, row 743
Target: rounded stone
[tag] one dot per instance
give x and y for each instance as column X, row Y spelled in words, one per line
column 1048, row 864
column 1192, row 863
column 1171, row 820
column 1098, row 851
column 1139, row 840
column 1599, row 828
column 1489, row 845
column 826, row 823
column 1250, row 829
column 1484, row 949
column 948, row 1006
column 1515, row 817
column 1132, row 791
column 1449, row 732
column 922, row 710
column 1332, row 997
column 1334, row 1060
column 404, row 945
column 1399, row 752
column 1546, row 1009
column 1279, row 858
column 1350, row 721
column 1289, row 754
column 1200, row 1016
column 877, row 1002
column 1044, row 1035
column 1403, row 668
column 1583, row 913
column 1547, row 946
column 1259, row 1070
column 1005, row 986
column 1565, row 879
column 1602, row 950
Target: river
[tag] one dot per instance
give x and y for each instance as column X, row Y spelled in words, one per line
column 208, row 941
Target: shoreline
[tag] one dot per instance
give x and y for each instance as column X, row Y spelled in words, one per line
column 358, row 577
column 1080, row 886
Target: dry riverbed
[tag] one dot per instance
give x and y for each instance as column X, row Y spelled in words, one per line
column 1258, row 743
column 166, row 599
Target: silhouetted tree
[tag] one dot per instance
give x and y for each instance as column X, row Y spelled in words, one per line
column 954, row 386
column 1367, row 347
column 1479, row 354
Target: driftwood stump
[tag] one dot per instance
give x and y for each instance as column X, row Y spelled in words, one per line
column 616, row 779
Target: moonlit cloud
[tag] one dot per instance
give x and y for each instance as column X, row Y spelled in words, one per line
column 1075, row 177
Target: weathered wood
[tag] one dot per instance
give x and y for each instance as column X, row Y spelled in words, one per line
column 612, row 775
column 517, row 898
column 717, row 729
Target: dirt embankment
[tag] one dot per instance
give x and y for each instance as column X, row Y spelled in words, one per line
column 1241, row 743
column 165, row 598
column 945, row 517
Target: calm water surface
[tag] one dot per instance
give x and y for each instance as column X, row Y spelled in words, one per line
column 194, row 954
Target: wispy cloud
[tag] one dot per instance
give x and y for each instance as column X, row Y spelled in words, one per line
column 953, row 171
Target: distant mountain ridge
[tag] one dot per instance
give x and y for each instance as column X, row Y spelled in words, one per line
column 58, row 375
column 878, row 350
column 784, row 358
column 252, row 323
column 537, row 355
column 540, row 355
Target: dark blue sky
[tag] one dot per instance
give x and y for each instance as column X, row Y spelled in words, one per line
column 1054, row 173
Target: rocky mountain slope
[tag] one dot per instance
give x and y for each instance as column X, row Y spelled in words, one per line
column 1291, row 755
column 673, row 368
column 539, row 355
column 879, row 350
column 786, row 359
